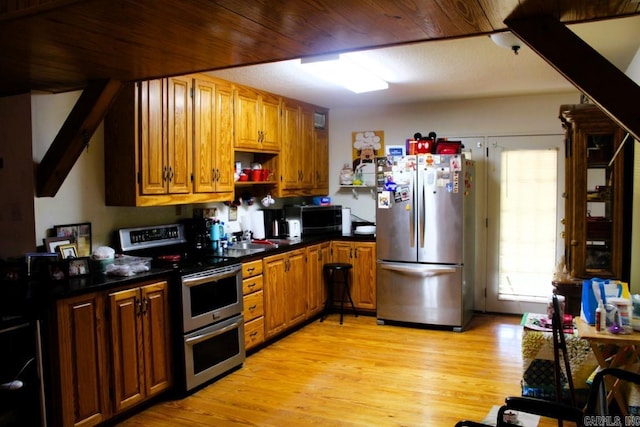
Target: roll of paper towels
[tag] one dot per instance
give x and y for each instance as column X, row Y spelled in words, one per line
column 346, row 221
column 257, row 225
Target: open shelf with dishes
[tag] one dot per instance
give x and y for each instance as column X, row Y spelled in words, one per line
column 255, row 168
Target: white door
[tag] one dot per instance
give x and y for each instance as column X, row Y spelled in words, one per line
column 525, row 181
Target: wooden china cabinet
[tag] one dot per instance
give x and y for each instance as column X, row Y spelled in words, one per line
column 594, row 193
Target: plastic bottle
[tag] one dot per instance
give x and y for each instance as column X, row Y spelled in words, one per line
column 601, row 317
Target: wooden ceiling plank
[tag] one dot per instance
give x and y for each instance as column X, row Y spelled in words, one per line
column 496, row 12
column 74, row 135
column 59, row 45
column 608, row 87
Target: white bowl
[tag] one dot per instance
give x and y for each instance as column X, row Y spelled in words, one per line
column 365, row 229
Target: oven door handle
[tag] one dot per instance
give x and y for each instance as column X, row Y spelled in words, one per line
column 194, row 281
column 203, row 337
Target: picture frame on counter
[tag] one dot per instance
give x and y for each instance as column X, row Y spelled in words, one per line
column 80, row 234
column 68, row 251
column 58, row 270
column 51, row 243
column 79, row 267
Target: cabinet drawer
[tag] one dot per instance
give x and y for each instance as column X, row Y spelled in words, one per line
column 251, row 284
column 254, row 333
column 252, row 268
column 253, row 306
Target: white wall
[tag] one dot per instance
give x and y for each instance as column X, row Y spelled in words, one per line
column 522, row 115
column 81, row 197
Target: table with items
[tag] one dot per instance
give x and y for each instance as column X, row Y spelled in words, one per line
column 615, row 351
column 538, row 377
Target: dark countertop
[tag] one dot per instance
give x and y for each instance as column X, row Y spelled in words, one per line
column 35, row 294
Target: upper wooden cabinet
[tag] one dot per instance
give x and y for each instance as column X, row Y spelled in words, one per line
column 257, row 120
column 321, row 155
column 213, row 136
column 150, row 143
column 173, row 141
column 594, row 193
column 304, row 158
column 165, row 153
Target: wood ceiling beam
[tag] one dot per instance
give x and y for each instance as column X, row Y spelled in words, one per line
column 605, row 85
column 74, row 135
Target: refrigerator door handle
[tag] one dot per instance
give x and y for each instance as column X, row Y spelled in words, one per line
column 421, row 211
column 412, row 220
column 419, row 271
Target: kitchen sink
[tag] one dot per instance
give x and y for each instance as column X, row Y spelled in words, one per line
column 234, row 252
column 252, row 245
column 244, row 248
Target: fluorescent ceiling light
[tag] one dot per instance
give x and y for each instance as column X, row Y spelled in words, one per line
column 344, row 71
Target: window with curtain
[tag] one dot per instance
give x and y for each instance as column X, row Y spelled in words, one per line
column 528, row 209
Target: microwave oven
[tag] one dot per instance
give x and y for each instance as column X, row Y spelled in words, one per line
column 316, row 219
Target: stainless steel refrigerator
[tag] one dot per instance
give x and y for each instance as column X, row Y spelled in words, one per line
column 425, row 240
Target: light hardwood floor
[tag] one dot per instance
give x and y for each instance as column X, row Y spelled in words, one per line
column 360, row 374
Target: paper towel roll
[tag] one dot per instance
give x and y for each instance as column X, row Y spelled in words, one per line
column 257, row 225
column 346, row 221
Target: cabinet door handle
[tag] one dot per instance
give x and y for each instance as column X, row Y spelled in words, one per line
column 355, row 251
column 253, row 334
column 165, row 174
column 351, row 253
column 170, row 173
column 145, row 305
column 253, row 307
column 138, row 305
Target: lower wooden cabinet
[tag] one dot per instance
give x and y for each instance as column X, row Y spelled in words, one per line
column 80, row 375
column 140, row 335
column 362, row 255
column 253, row 303
column 284, row 291
column 110, row 351
column 317, row 256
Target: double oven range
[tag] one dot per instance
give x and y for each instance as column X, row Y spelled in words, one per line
column 205, row 299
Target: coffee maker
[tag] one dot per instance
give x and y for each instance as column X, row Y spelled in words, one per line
column 275, row 225
column 197, row 232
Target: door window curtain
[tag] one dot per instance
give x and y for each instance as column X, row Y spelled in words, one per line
column 528, row 210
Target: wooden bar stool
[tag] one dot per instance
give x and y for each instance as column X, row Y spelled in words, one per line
column 329, row 273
